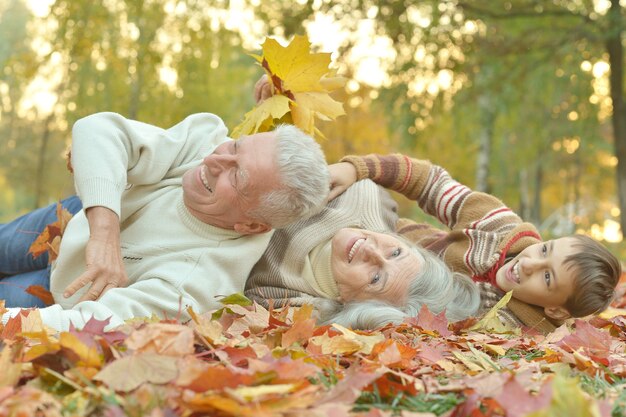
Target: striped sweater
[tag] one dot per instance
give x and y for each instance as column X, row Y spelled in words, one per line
column 482, row 233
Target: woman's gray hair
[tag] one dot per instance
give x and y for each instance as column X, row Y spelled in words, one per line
column 435, row 286
column 304, row 177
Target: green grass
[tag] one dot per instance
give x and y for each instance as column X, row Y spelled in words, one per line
column 422, row 402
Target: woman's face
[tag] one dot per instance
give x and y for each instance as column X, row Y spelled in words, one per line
column 369, row 265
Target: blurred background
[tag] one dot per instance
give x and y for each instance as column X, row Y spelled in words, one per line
column 521, row 98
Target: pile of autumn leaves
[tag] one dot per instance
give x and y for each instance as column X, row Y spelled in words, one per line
column 244, row 360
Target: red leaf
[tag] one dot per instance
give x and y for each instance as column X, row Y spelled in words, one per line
column 13, row 326
column 589, row 338
column 518, row 402
column 95, row 328
column 428, row 321
column 41, row 293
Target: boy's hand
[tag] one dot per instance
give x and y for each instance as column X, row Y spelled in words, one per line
column 103, row 256
column 262, row 89
column 342, row 176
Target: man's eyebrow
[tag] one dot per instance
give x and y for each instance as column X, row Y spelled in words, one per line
column 242, row 179
column 242, row 176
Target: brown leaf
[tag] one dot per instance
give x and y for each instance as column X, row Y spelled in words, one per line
column 129, row 372
column 41, row 293
column 162, row 338
column 50, row 239
column 299, row 332
column 349, row 388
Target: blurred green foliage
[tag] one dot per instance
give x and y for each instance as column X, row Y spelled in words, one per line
column 512, row 97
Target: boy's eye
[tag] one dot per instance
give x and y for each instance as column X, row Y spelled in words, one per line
column 546, row 277
column 544, row 249
column 375, row 278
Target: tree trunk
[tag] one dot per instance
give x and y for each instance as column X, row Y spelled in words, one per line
column 616, row 61
column 41, row 161
column 487, row 113
column 524, row 196
column 535, row 214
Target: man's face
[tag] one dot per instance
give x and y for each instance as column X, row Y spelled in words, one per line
column 538, row 276
column 230, row 181
column 369, row 265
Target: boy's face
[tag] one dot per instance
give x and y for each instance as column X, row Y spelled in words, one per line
column 538, row 276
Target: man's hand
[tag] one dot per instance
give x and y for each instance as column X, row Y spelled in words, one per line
column 342, row 176
column 103, row 256
column 262, row 89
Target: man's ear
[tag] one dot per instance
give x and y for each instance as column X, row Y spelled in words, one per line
column 252, row 228
column 557, row 313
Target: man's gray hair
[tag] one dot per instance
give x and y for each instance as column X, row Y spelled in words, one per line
column 304, row 177
column 435, row 286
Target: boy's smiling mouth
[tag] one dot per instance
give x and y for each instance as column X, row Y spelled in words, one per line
column 513, row 273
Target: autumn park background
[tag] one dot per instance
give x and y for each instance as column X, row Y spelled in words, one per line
column 521, row 98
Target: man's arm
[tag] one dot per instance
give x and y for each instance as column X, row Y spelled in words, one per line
column 103, row 256
column 110, row 151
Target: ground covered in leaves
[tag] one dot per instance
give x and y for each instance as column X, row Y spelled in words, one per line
column 244, row 360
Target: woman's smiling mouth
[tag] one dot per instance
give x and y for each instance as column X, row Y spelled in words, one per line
column 354, row 248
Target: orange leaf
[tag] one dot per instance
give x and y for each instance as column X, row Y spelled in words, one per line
column 41, row 293
column 50, row 239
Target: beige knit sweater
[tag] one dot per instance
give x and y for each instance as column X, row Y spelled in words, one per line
column 280, row 273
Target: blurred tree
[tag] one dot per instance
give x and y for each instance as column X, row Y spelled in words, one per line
column 156, row 61
column 559, row 31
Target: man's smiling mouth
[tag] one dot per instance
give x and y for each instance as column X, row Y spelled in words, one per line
column 204, row 180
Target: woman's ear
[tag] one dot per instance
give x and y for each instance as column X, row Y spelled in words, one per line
column 557, row 313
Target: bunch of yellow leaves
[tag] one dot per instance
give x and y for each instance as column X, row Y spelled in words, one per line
column 300, row 82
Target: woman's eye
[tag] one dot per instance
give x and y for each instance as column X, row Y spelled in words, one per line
column 396, row 253
column 375, row 278
column 546, row 277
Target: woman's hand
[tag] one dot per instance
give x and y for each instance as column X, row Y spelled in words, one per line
column 262, row 89
column 103, row 256
column 342, row 176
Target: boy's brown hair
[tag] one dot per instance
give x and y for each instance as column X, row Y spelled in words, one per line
column 597, row 273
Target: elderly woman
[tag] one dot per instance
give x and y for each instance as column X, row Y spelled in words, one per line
column 351, row 265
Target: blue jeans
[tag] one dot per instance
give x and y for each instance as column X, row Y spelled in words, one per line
column 18, row 268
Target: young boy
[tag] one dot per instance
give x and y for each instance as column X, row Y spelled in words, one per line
column 567, row 277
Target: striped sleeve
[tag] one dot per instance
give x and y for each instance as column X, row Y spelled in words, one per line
column 436, row 192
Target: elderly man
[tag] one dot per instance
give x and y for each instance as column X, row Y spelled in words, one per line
column 171, row 218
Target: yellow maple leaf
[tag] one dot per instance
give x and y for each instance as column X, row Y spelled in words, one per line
column 274, row 107
column 568, row 399
column 11, row 371
column 490, row 321
column 87, row 356
column 294, row 66
column 300, row 83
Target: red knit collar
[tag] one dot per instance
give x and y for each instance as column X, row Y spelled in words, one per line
column 490, row 276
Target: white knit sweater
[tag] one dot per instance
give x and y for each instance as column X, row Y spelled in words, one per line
column 171, row 258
